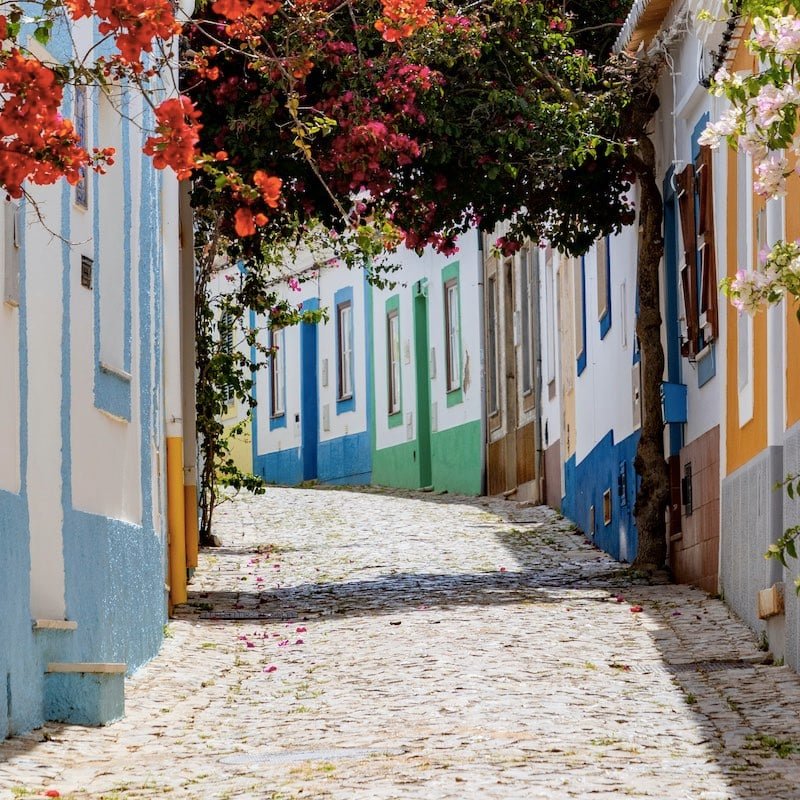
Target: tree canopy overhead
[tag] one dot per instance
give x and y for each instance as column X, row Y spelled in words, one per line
column 427, row 117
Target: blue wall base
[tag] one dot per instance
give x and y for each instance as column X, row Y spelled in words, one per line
column 608, row 466
column 84, row 698
column 345, row 460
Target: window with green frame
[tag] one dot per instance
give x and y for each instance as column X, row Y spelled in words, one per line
column 394, row 401
column 452, row 334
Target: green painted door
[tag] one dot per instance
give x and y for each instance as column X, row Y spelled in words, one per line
column 421, row 351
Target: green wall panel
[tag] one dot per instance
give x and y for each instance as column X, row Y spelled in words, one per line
column 396, row 466
column 457, row 459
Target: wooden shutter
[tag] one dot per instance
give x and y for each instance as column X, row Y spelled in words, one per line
column 685, row 181
column 705, row 229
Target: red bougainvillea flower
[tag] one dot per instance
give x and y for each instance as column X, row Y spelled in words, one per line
column 134, row 24
column 36, row 142
column 402, row 18
column 178, row 132
column 236, row 9
column 269, row 186
column 243, row 222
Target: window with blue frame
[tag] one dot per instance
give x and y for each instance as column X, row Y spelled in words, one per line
column 277, row 393
column 81, row 127
column 699, row 272
column 580, row 315
column 603, row 252
column 345, row 391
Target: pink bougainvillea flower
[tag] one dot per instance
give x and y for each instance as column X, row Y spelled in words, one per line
column 619, row 598
column 270, row 668
column 502, row 569
column 300, row 629
column 299, row 641
column 636, row 609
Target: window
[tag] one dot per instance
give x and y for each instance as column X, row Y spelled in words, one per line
column 580, row 315
column 603, row 253
column 344, row 349
column 226, row 325
column 491, row 344
column 453, row 335
column 277, row 406
column 699, row 272
column 81, row 129
column 393, row 359
column 550, row 316
column 526, row 290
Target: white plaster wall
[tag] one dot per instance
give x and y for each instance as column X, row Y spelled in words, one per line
column 282, row 438
column 44, row 305
column 603, row 392
column 349, row 422
column 414, row 268
column 10, row 478
column 226, row 281
column 550, row 407
column 680, row 91
column 106, row 451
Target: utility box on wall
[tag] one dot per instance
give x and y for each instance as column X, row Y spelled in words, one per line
column 674, row 402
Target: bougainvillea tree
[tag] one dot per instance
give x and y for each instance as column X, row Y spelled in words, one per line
column 406, row 121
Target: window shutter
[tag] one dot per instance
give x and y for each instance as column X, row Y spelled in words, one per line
column 706, row 230
column 685, row 181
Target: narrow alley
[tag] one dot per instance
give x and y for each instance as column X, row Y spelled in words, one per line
column 397, row 645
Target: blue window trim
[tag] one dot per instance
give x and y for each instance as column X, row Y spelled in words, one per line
column 605, row 320
column 346, row 404
column 582, row 355
column 112, row 388
column 278, row 420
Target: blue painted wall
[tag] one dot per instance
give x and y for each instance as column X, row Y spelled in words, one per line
column 284, row 467
column 346, row 459
column 114, row 571
column 585, row 484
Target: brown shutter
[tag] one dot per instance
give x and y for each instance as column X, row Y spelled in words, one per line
column 685, row 181
column 706, row 230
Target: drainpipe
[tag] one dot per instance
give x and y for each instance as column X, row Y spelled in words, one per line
column 188, row 376
column 173, row 401
column 482, row 359
column 537, row 379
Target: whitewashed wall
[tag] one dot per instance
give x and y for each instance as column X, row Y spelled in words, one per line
column 413, row 268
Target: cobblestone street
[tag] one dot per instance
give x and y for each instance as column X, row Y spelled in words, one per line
column 369, row 645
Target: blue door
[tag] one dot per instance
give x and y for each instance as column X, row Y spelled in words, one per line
column 309, row 400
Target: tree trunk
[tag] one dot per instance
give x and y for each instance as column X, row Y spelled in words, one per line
column 653, row 495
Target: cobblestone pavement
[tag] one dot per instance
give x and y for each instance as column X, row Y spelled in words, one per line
column 374, row 645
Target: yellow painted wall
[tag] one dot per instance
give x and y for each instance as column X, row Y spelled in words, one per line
column 747, row 441
column 241, row 446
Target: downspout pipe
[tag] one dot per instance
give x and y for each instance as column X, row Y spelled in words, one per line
column 188, row 375
column 482, row 359
column 173, row 400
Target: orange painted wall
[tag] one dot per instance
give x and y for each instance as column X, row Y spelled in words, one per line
column 746, row 442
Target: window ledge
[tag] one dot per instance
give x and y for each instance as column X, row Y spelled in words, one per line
column 116, row 372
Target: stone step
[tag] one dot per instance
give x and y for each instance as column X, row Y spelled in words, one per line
column 84, row 692
column 55, row 625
